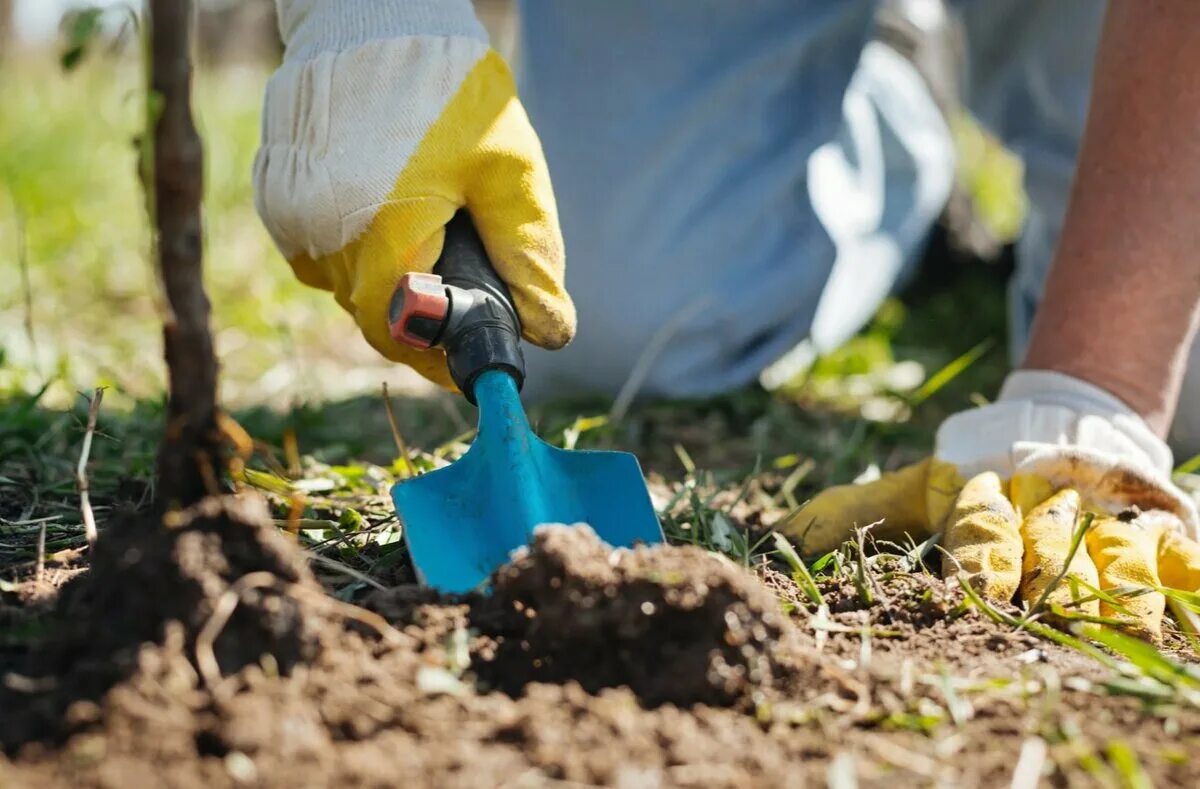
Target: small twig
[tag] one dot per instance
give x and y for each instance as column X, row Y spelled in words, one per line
column 291, row 451
column 401, row 446
column 19, row 683
column 81, row 479
column 6, row 523
column 863, row 579
column 235, row 435
column 41, row 553
column 347, row 570
column 206, row 639
column 295, row 511
column 207, row 474
column 370, row 619
column 206, row 658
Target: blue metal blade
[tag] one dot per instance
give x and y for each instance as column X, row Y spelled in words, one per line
column 463, row 521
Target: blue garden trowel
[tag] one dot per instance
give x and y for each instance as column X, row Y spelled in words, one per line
column 463, row 521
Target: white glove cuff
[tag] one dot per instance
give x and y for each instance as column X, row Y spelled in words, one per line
column 310, row 27
column 1049, row 408
column 1050, row 389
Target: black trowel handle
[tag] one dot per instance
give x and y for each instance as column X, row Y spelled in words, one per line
column 464, row 307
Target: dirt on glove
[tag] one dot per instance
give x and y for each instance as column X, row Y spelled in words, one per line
column 205, row 655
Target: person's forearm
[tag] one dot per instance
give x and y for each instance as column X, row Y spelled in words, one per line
column 1122, row 302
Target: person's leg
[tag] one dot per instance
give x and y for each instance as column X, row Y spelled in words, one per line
column 1029, row 80
column 878, row 188
column 683, row 137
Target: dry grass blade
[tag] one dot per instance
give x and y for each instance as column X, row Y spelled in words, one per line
column 650, row 353
column 800, row 574
column 948, row 373
column 1028, row 772
column 206, row 658
column 863, row 579
column 81, row 478
column 346, row 570
column 1076, row 540
column 364, row 617
column 401, row 445
column 41, row 553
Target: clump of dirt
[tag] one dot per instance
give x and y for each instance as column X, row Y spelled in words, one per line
column 678, row 625
column 219, row 577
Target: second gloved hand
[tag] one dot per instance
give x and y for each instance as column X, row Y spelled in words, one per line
column 1007, row 487
column 384, row 119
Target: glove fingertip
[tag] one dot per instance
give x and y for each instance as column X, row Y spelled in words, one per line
column 983, row 539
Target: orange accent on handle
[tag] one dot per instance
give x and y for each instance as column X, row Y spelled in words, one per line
column 424, row 296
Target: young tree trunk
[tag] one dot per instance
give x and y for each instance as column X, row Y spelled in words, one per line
column 189, row 460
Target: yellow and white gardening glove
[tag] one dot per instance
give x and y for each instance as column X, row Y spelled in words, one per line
column 386, row 117
column 1007, row 486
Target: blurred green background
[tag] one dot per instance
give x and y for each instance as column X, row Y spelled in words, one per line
column 78, row 306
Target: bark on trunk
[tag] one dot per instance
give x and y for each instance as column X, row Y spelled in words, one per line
column 189, row 460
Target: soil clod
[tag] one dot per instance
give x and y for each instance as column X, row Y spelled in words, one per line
column 678, row 625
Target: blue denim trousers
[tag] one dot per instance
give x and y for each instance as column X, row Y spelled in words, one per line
column 744, row 181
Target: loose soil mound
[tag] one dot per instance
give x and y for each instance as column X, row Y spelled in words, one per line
column 658, row 667
column 683, row 626
column 219, row 579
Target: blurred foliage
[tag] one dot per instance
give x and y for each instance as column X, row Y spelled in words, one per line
column 992, row 176
column 72, row 223
column 81, row 29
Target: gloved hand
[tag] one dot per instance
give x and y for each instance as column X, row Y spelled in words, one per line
column 385, row 118
column 1007, row 485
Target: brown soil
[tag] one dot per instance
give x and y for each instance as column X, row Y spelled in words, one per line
column 205, row 655
column 682, row 626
